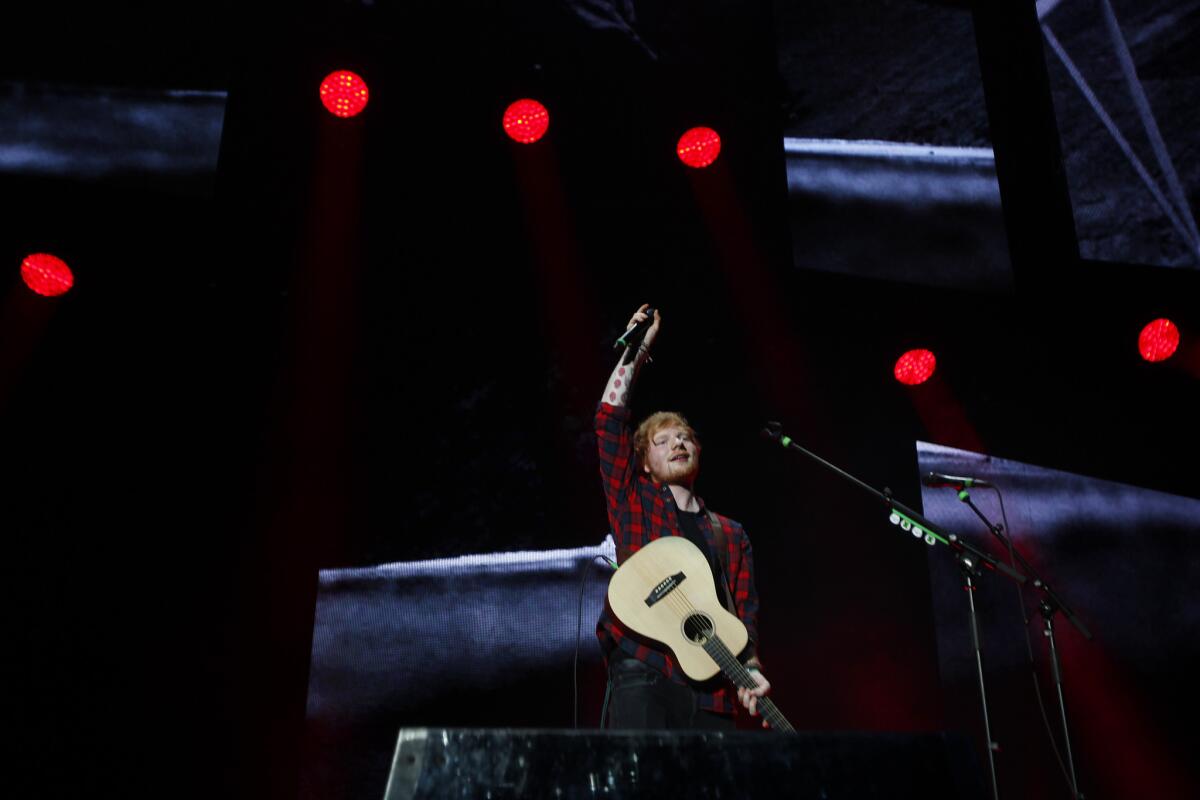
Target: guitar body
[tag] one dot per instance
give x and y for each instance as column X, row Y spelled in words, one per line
column 665, row 592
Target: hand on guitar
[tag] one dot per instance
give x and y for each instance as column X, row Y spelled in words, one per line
column 659, row 570
column 749, row 697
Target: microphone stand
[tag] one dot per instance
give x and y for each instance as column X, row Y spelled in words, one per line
column 969, row 558
column 1049, row 605
column 970, row 571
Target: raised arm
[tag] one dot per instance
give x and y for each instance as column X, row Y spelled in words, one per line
column 614, row 438
column 616, row 392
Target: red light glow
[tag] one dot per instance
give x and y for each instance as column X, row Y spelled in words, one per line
column 47, row 275
column 1159, row 340
column 699, row 147
column 526, row 121
column 344, row 93
column 915, row 367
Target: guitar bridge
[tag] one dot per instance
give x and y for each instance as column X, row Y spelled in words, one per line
column 664, row 588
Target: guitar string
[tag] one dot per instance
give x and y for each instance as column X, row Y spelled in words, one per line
column 677, row 599
column 683, row 606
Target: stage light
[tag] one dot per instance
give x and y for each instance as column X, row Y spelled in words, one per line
column 47, row 275
column 699, row 147
column 344, row 93
column 915, row 367
column 526, row 121
column 1158, row 340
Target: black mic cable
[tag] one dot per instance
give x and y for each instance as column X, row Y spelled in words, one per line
column 938, row 480
column 1037, row 684
column 579, row 632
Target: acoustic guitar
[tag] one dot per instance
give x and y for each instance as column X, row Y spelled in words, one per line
column 665, row 592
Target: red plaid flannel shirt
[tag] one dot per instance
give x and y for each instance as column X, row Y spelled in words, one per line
column 639, row 511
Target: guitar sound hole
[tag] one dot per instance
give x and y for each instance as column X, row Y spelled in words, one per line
column 698, row 628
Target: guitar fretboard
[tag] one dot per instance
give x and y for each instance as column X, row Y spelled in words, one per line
column 737, row 672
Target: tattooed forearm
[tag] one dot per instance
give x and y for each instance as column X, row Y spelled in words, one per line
column 621, row 381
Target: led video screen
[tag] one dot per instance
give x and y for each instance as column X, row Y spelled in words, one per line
column 1125, row 561
column 890, row 167
column 1124, row 81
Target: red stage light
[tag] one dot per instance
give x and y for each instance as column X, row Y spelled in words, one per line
column 526, row 121
column 47, row 275
column 1158, row 340
column 343, row 93
column 699, row 147
column 915, row 367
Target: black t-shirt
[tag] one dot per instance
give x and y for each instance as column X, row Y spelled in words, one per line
column 689, row 523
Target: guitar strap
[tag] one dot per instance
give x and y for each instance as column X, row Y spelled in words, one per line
column 719, row 540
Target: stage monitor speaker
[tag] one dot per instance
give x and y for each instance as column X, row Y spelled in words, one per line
column 505, row 763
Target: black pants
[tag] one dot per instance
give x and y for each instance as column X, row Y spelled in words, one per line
column 644, row 698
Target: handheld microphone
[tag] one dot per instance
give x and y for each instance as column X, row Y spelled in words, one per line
column 772, row 431
column 938, row 480
column 634, row 336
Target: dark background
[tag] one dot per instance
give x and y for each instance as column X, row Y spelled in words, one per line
column 382, row 340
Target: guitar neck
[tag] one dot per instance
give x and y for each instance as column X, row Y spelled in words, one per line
column 737, row 672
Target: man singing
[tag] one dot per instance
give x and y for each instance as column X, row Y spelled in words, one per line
column 648, row 477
